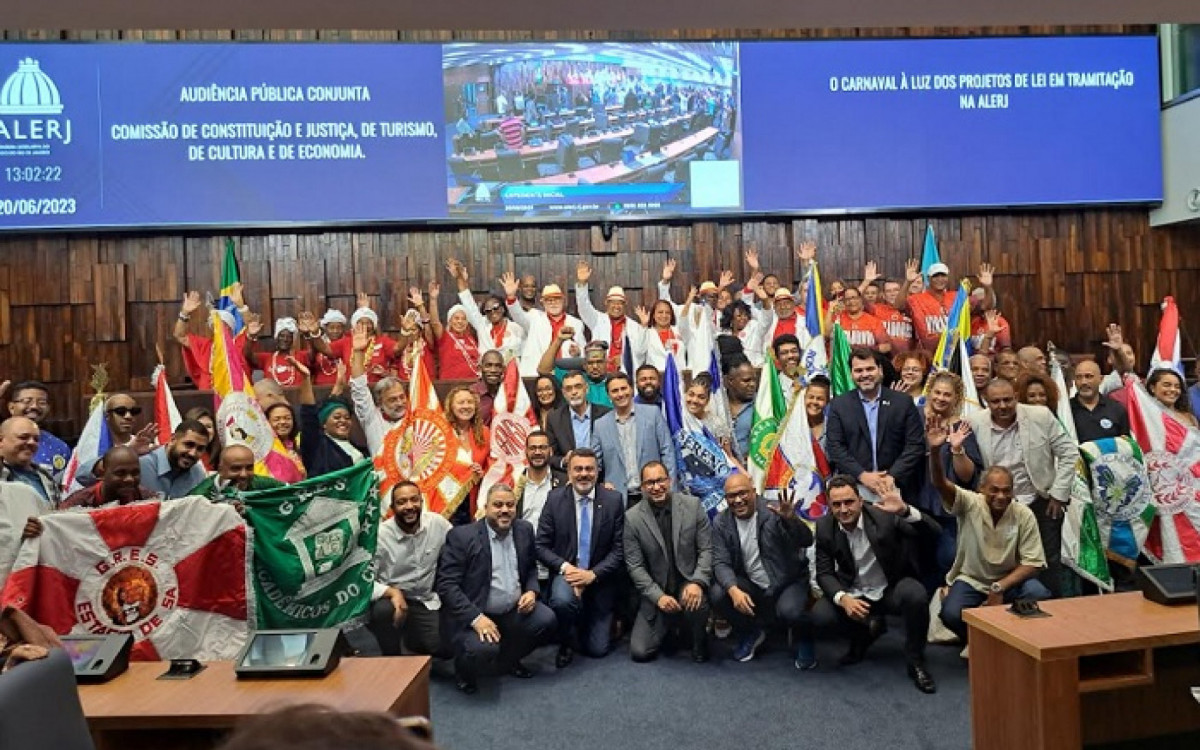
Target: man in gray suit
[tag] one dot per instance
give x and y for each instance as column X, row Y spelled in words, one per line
column 668, row 550
column 1033, row 445
column 629, row 437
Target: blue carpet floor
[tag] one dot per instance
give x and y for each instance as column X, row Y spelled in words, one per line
column 614, row 704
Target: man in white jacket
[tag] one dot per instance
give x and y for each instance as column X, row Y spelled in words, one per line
column 542, row 327
column 613, row 327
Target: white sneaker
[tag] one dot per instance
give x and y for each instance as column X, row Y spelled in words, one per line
column 722, row 629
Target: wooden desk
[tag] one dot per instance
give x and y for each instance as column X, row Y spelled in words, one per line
column 137, row 710
column 1101, row 669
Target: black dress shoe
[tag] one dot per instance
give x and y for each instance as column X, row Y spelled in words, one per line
column 520, row 671
column 466, row 686
column 921, row 678
column 700, row 653
column 854, row 655
column 565, row 657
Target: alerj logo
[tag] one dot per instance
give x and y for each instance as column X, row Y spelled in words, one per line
column 29, row 109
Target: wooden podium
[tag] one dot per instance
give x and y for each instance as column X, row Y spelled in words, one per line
column 1100, row 669
column 138, row 710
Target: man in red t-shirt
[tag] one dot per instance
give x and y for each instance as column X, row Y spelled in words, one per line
column 930, row 308
column 989, row 330
column 889, row 306
column 197, row 350
column 862, row 328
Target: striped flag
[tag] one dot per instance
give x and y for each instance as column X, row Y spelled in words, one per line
column 958, row 328
column 840, row 380
column 239, row 416
column 166, row 413
column 814, row 304
column 512, row 420
column 230, row 276
column 1172, row 453
column 795, row 465
column 94, row 442
column 1166, row 347
column 702, row 464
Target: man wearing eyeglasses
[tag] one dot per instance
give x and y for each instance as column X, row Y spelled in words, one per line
column 668, row 551
column 31, row 400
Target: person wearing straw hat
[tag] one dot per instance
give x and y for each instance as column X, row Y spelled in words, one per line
column 542, row 327
column 615, row 327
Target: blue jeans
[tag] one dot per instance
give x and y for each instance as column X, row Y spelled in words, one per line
column 963, row 596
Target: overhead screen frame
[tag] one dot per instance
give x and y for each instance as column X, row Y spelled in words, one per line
column 450, row 223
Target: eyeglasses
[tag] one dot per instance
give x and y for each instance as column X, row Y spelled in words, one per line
column 656, row 482
column 492, row 309
column 738, row 495
column 125, row 411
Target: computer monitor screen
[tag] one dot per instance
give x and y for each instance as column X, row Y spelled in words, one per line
column 278, row 649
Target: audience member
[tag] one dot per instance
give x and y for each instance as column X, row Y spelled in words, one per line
column 628, row 437
column 570, row 426
column 31, row 400
column 120, row 485
column 1096, row 416
column 172, row 470
column 235, row 475
column 18, row 445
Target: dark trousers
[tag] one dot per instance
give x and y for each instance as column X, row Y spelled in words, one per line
column 419, row 632
column 964, row 596
column 789, row 606
column 1050, row 530
column 651, row 626
column 906, row 598
column 519, row 634
column 589, row 616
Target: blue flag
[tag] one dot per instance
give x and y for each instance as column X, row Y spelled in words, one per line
column 702, row 465
column 930, row 255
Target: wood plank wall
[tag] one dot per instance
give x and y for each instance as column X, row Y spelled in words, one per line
column 70, row 301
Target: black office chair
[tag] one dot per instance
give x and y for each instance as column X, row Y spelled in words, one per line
column 574, row 128
column 490, row 139
column 641, row 134
column 610, row 150
column 510, row 167
column 464, row 174
column 657, row 173
column 657, row 139
column 40, row 708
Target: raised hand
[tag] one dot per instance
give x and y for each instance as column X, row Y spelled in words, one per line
column 643, row 315
column 236, row 294
column 1115, row 339
column 307, row 323
column 807, row 251
column 986, row 272
column 301, row 367
column 363, row 299
column 583, row 272
column 752, row 259
column 191, row 303
column 691, row 296
column 508, row 281
column 936, row 431
column 254, row 324
column 870, row 272
column 912, row 270
column 785, row 507
column 889, row 497
column 668, row 271
column 414, row 296
column 755, row 281
column 725, row 279
column 339, row 385
column 359, row 338
column 435, row 289
column 992, row 318
column 959, row 435
column 145, row 440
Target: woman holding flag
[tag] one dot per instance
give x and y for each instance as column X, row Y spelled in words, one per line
column 462, row 410
column 1171, row 393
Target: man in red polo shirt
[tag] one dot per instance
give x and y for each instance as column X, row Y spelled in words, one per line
column 930, row 308
column 890, row 307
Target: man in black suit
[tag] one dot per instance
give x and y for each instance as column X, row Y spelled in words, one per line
column 873, row 433
column 570, row 425
column 579, row 540
column 487, row 581
column 759, row 564
column 866, row 568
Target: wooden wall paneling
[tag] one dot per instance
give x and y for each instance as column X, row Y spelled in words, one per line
column 111, row 297
column 82, row 254
column 6, row 331
column 1052, row 291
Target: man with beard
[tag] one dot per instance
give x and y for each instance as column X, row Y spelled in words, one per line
column 380, row 414
column 487, row 580
column 120, row 485
column 235, row 475
column 614, row 327
column 18, row 445
column 491, row 371
column 276, row 365
column 172, row 470
column 406, row 607
column 543, row 329
column 741, row 386
column 570, row 426
column 649, row 385
column 595, row 367
column 1096, row 415
column 31, row 400
column 629, row 437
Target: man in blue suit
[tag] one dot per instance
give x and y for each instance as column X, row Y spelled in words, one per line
column 629, row 437
column 579, row 540
column 487, row 581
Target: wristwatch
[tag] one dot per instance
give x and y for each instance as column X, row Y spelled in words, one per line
column 996, row 588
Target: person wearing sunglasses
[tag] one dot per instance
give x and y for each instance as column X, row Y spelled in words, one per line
column 31, row 400
column 121, row 412
column 493, row 327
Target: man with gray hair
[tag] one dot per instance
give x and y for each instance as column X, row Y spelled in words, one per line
column 380, row 414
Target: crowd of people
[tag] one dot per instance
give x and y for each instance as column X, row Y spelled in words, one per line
column 926, row 498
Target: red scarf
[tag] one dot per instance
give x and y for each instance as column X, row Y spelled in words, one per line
column 616, row 347
column 498, row 333
column 556, row 325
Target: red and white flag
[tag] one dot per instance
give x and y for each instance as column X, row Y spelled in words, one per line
column 1166, row 347
column 166, row 413
column 172, row 574
column 512, row 421
column 1172, row 454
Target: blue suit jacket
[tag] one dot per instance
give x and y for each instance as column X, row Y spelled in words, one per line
column 558, row 538
column 464, row 573
column 653, row 444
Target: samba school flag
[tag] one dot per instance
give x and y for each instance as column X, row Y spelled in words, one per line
column 512, row 421
column 166, row 413
column 703, row 465
column 171, row 574
column 1121, row 496
column 313, row 543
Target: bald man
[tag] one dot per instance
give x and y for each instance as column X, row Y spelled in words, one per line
column 1096, row 415
column 120, row 483
column 235, row 475
column 1033, row 360
column 19, row 438
column 269, row 392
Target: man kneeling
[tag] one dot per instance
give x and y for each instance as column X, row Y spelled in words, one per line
column 487, row 581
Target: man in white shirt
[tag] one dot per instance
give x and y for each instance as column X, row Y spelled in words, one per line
column 613, row 327
column 380, row 413
column 542, row 327
column 406, row 606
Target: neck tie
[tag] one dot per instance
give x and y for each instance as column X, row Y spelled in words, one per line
column 585, row 533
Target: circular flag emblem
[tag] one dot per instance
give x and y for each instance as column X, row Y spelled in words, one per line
column 242, row 421
column 419, row 449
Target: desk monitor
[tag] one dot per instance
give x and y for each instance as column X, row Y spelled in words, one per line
column 1168, row 584
column 98, row 658
column 291, row 653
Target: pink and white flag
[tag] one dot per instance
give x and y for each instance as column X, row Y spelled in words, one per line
column 512, row 421
column 1166, row 347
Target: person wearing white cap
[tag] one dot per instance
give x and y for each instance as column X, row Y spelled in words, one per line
column 197, row 350
column 615, row 328
column 382, row 351
column 275, row 364
column 333, row 326
column 930, row 308
column 493, row 328
column 541, row 328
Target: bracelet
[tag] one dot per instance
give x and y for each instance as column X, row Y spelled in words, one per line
column 185, row 317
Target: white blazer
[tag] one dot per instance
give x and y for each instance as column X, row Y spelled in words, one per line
column 601, row 325
column 539, row 334
column 1050, row 453
column 514, row 334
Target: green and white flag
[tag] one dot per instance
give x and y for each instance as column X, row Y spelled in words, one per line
column 840, row 380
column 770, row 406
column 313, row 544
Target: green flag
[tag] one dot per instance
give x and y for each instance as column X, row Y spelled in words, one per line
column 770, row 406
column 840, row 380
column 230, row 276
column 314, row 542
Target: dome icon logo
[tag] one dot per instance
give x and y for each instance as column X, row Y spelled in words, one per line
column 29, row 91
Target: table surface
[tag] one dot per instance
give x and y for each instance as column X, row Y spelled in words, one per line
column 216, row 698
column 1090, row 625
